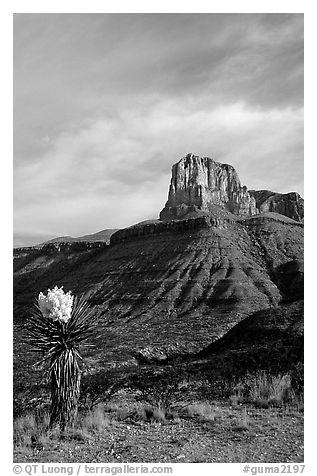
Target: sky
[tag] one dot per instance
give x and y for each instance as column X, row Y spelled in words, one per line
column 105, row 104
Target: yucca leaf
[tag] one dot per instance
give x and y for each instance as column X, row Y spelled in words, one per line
column 60, row 341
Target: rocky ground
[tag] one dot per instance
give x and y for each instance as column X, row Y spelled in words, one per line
column 206, row 433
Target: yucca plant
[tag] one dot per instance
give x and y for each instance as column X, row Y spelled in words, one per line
column 58, row 328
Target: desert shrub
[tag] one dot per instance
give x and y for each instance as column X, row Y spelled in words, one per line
column 33, row 428
column 215, row 387
column 271, row 389
column 297, row 377
column 121, row 412
column 24, row 427
column 29, row 428
column 160, row 415
column 152, row 414
column 158, row 387
column 97, row 387
column 238, row 394
column 264, row 390
column 159, row 395
column 241, row 423
column 203, row 410
column 140, row 411
column 156, row 413
column 95, row 420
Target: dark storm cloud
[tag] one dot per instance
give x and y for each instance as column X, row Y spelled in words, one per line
column 104, row 104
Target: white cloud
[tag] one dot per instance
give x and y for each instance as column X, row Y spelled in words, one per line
column 116, row 171
column 105, row 104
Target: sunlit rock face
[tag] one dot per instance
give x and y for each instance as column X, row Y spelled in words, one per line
column 199, row 183
column 288, row 204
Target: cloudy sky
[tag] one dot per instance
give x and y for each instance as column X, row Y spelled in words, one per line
column 104, row 104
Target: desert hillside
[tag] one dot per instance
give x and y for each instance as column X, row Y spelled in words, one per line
column 210, row 292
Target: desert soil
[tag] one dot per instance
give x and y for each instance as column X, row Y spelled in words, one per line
column 233, row 434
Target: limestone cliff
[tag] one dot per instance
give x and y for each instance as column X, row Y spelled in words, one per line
column 200, row 185
column 200, row 182
column 288, row 204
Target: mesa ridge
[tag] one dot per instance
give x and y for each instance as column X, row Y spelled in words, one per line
column 200, row 183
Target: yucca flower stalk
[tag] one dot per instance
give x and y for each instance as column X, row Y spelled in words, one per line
column 58, row 328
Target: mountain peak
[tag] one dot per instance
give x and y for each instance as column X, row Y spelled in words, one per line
column 199, row 183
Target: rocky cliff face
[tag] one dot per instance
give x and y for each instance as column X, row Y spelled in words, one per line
column 288, row 204
column 200, row 182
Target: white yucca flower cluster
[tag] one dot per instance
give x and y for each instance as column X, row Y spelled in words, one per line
column 56, row 305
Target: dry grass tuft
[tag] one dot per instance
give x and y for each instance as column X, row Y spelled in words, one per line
column 32, row 430
column 95, row 420
column 264, row 390
column 242, row 423
column 29, row 429
column 141, row 411
column 203, row 410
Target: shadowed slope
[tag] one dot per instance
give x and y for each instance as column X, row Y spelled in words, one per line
column 270, row 340
column 176, row 289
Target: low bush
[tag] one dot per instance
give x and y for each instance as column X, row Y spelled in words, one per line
column 264, row 390
column 95, row 420
column 33, row 430
column 141, row 411
column 203, row 410
column 30, row 428
column 152, row 414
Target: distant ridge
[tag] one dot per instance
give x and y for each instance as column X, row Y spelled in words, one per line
column 103, row 235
